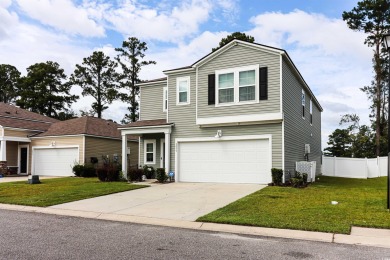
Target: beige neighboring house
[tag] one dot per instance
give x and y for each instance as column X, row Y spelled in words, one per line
column 31, row 143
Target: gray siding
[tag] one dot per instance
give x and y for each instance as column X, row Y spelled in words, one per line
column 239, row 56
column 184, row 117
column 151, row 102
column 298, row 131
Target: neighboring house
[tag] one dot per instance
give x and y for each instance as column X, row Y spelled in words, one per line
column 229, row 117
column 44, row 146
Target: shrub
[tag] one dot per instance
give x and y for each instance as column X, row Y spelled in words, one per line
column 161, row 176
column 304, row 177
column 299, row 180
column 112, row 173
column 101, row 174
column 295, row 182
column 277, row 176
column 78, row 169
column 135, row 174
column 149, row 172
column 89, row 171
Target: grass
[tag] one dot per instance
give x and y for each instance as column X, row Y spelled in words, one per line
column 361, row 203
column 59, row 190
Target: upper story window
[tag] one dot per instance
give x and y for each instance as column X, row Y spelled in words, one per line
column 311, row 112
column 165, row 99
column 237, row 85
column 183, row 90
column 303, row 103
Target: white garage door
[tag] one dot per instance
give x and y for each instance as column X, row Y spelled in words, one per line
column 241, row 161
column 55, row 161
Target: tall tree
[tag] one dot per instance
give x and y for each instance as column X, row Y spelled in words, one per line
column 340, row 143
column 45, row 90
column 9, row 78
column 373, row 18
column 98, row 78
column 130, row 57
column 231, row 37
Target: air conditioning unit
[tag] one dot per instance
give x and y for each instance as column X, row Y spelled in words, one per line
column 307, row 148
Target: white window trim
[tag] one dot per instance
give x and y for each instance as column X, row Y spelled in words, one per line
column 311, row 112
column 303, row 103
column 236, row 87
column 165, row 99
column 150, row 141
column 188, row 90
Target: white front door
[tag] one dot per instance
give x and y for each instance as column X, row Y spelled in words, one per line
column 231, row 161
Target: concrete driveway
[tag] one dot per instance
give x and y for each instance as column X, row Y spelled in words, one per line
column 174, row 201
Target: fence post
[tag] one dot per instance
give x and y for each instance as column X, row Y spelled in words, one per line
column 334, row 165
column 366, row 167
column 378, row 166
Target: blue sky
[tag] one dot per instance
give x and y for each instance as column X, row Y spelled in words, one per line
column 332, row 58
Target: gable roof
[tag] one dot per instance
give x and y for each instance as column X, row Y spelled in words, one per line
column 263, row 47
column 16, row 117
column 85, row 125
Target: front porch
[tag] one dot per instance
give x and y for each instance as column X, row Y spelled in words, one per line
column 14, row 155
column 154, row 143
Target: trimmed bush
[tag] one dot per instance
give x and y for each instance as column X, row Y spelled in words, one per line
column 161, row 176
column 277, row 176
column 135, row 174
column 89, row 171
column 101, row 174
column 78, row 169
column 149, row 172
column 108, row 173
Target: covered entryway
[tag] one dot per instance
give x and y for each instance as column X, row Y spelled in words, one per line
column 54, row 161
column 225, row 160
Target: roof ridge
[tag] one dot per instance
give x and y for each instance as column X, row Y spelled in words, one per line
column 28, row 119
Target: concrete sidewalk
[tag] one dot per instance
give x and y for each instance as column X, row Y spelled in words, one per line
column 358, row 236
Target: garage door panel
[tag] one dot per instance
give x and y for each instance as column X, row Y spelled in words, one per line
column 55, row 161
column 241, row 161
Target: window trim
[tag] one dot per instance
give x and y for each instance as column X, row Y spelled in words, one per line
column 303, row 103
column 187, row 78
column 165, row 99
column 146, row 142
column 236, row 85
column 311, row 112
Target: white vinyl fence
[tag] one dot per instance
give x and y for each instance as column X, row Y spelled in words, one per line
column 354, row 167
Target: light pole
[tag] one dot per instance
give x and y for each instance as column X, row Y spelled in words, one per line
column 386, row 39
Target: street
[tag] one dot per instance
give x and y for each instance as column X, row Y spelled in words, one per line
column 26, row 235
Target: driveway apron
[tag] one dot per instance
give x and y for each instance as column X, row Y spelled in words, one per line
column 175, row 201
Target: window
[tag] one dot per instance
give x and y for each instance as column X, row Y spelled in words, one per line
column 183, row 90
column 303, row 104
column 149, row 151
column 311, row 112
column 165, row 99
column 238, row 85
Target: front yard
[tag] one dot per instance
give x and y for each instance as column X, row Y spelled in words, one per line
column 60, row 190
column 361, row 203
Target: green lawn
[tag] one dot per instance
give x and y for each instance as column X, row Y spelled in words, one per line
column 361, row 203
column 60, row 190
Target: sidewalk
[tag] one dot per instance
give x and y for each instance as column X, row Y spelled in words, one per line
column 358, row 236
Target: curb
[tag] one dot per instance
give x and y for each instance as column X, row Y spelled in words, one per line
column 359, row 236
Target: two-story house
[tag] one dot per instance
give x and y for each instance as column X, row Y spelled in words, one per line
column 230, row 117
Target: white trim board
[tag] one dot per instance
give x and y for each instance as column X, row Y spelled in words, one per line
column 240, row 119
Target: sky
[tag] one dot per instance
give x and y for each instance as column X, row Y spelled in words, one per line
column 332, row 59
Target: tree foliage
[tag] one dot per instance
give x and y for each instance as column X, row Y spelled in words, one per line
column 45, row 90
column 339, row 144
column 98, row 78
column 231, row 37
column 9, row 78
column 130, row 57
column 373, row 18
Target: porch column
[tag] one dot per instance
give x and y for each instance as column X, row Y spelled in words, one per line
column 3, row 150
column 167, row 151
column 124, row 155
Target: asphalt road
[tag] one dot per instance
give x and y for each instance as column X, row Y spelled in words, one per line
column 26, row 235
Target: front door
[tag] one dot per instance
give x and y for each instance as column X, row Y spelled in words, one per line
column 23, row 160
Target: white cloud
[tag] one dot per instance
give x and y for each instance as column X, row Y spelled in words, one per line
column 164, row 25
column 63, row 15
